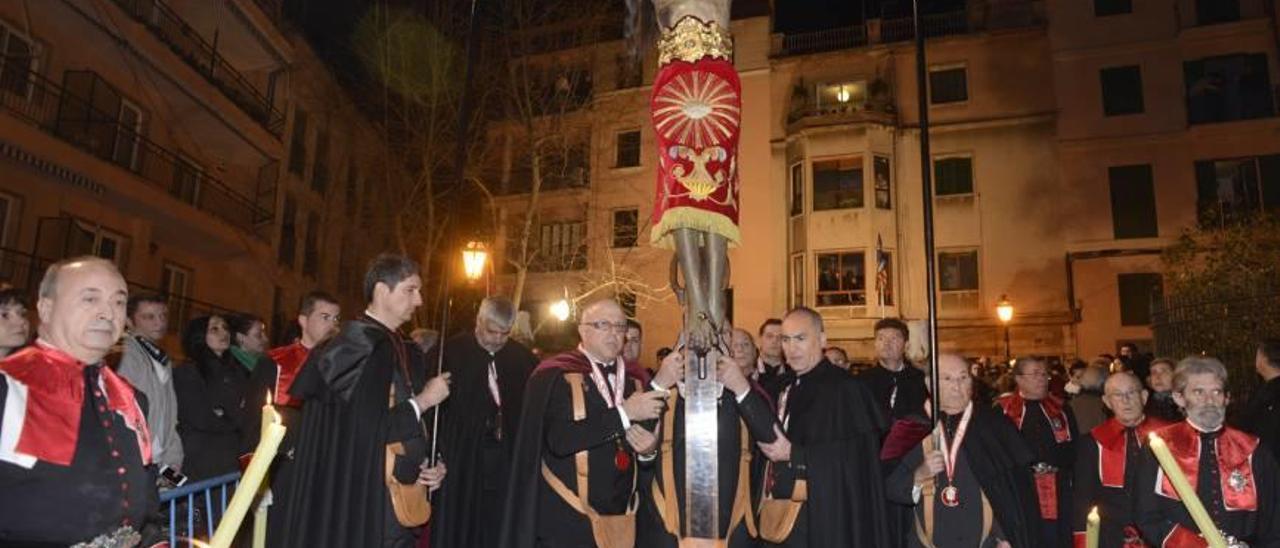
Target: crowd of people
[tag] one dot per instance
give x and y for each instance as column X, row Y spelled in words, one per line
column 587, row 447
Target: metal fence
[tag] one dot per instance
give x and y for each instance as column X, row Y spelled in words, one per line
column 82, row 120
column 202, row 504
column 1225, row 326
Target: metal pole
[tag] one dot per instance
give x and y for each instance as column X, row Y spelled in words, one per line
column 1007, row 355
column 926, row 184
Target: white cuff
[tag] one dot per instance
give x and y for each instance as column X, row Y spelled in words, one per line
column 654, row 385
column 743, row 395
column 626, row 423
column 417, row 412
column 916, row 492
column 647, row 458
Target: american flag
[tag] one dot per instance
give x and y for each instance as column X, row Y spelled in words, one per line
column 882, row 266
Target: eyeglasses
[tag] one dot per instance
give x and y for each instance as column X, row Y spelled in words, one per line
column 601, row 325
column 1126, row 395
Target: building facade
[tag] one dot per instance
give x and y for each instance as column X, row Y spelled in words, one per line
column 201, row 146
column 1071, row 142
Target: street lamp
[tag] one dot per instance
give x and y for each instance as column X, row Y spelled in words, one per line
column 1004, row 311
column 560, row 310
column 473, row 259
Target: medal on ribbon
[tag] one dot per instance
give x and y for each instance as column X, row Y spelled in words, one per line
column 950, row 495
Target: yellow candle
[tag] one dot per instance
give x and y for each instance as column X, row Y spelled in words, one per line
column 252, row 479
column 260, row 525
column 1091, row 533
column 1208, row 529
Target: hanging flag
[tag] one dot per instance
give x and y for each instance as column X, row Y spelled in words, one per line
column 882, row 266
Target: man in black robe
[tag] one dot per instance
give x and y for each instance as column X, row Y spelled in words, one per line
column 743, row 410
column 897, row 385
column 830, row 438
column 976, row 489
column 1233, row 475
column 1262, row 416
column 771, row 368
column 1049, row 428
column 478, row 426
column 75, row 452
column 360, row 394
column 580, row 409
column 1107, row 462
column 1160, row 403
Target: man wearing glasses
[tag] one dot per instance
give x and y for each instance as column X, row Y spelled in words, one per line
column 478, row 425
column 1049, row 428
column 573, row 476
column 1107, row 462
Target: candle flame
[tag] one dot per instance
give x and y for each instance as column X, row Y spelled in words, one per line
column 1154, row 438
column 1093, row 514
column 270, row 400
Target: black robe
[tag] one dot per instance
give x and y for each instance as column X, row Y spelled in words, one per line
column 773, row 378
column 1116, row 504
column 1160, row 517
column 1037, row 432
column 1262, row 416
column 900, row 394
column 212, row 414
column 834, row 429
column 534, row 514
column 992, row 458
column 476, row 448
column 339, row 497
column 758, row 414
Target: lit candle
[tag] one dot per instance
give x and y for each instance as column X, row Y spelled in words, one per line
column 1091, row 533
column 251, row 481
column 1208, row 529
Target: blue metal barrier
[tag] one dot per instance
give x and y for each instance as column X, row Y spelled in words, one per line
column 187, row 496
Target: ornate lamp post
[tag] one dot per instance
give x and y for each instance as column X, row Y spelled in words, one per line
column 1004, row 311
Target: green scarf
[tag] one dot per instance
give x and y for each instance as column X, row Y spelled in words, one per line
column 248, row 358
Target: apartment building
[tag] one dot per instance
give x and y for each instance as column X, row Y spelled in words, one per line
column 201, row 146
column 1071, row 141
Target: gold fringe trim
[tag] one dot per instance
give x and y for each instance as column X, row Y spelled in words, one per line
column 691, row 39
column 697, row 219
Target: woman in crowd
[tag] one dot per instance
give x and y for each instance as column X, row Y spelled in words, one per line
column 211, row 399
column 15, row 328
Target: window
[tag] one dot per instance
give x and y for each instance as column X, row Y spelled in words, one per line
column 8, row 215
column 320, row 171
column 884, row 277
column 1234, row 189
column 837, row 184
column 128, row 133
column 1103, row 8
column 948, row 85
column 1210, row 12
column 884, row 198
column 186, row 181
column 797, row 281
column 1137, row 292
column 288, row 231
column 630, row 71
column 797, row 189
column 627, row 300
column 958, row 280
column 298, row 143
column 1121, row 90
column 628, row 149
column 278, row 321
column 561, row 246
column 953, row 176
column 88, row 239
column 842, row 96
column 311, row 255
column 1227, row 88
column 175, row 285
column 842, row 279
column 626, row 227
column 17, row 61
column 1133, row 202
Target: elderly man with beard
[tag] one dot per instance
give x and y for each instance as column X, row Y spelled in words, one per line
column 1107, row 462
column 1233, row 476
column 75, row 452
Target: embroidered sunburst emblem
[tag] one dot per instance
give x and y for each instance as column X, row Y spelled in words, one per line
column 698, row 109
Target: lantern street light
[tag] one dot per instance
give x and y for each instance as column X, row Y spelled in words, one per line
column 473, row 260
column 1004, row 311
column 560, row 310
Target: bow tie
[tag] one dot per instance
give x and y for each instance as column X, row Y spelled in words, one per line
column 608, row 369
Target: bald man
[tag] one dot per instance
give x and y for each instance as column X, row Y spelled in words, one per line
column 579, row 434
column 827, row 448
column 75, row 452
column 975, row 489
column 1107, row 461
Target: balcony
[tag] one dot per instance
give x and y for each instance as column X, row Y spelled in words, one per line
column 889, row 30
column 841, row 104
column 202, row 56
column 84, row 121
